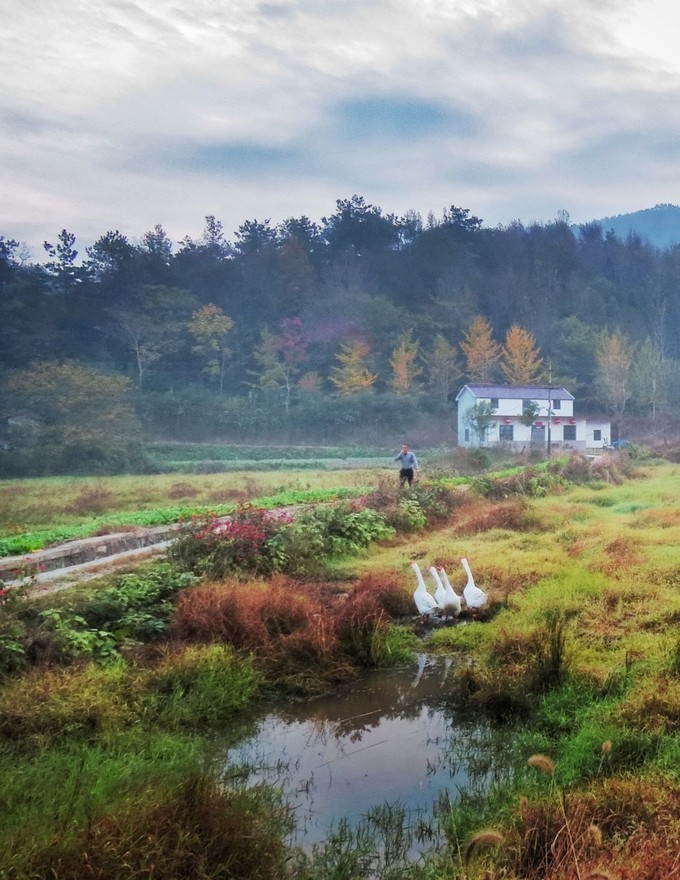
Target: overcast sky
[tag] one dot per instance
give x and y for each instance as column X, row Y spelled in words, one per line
column 124, row 114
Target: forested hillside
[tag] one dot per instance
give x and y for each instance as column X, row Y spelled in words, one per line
column 364, row 324
column 660, row 225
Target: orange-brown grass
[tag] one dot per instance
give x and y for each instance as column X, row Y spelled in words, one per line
column 224, row 496
column 387, row 589
column 576, row 548
column 251, row 489
column 623, row 828
column 653, row 706
column 290, row 629
column 203, row 830
column 182, row 490
column 622, row 553
column 246, row 616
column 515, row 514
column 91, row 500
column 658, row 519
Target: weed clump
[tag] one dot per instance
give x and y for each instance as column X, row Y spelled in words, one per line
column 201, row 830
column 512, row 514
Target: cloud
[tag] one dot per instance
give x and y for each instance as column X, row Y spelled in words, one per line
column 128, row 113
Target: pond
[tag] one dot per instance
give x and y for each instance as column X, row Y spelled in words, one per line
column 393, row 738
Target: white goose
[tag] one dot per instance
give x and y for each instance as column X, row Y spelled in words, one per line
column 452, row 602
column 440, row 592
column 425, row 602
column 474, row 597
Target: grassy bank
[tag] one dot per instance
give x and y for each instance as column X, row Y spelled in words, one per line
column 575, row 660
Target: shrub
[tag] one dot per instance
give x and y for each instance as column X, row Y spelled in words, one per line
column 219, row 546
column 411, row 510
column 137, row 605
column 12, row 645
column 263, row 542
column 345, row 528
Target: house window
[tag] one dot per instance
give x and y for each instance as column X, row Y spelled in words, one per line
column 569, row 432
column 467, row 435
column 505, row 433
column 494, row 403
column 556, row 404
column 597, row 435
column 527, row 405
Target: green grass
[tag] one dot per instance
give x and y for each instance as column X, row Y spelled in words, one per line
column 29, row 542
column 610, row 721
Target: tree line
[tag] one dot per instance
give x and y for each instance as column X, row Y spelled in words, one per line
column 364, row 317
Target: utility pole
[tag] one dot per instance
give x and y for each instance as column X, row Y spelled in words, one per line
column 549, row 407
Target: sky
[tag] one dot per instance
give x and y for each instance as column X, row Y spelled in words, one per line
column 125, row 114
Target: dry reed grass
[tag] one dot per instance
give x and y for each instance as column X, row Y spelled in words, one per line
column 515, row 514
column 247, row 616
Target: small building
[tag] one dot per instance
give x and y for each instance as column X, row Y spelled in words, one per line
column 509, row 408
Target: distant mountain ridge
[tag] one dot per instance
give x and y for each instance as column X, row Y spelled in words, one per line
column 660, row 225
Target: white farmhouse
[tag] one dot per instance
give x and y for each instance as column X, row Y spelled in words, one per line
column 554, row 421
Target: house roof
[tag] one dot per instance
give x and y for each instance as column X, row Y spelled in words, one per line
column 518, row 392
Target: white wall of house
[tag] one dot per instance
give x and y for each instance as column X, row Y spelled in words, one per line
column 566, row 430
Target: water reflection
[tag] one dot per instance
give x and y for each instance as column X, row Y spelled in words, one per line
column 392, row 738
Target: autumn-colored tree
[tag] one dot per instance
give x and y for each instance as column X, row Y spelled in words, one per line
column 405, row 368
column 280, row 355
column 481, row 352
column 613, row 376
column 352, row 375
column 310, row 381
column 443, row 367
column 522, row 362
column 209, row 327
column 650, row 374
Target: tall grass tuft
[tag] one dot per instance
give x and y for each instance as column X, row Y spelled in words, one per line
column 201, row 830
column 200, row 684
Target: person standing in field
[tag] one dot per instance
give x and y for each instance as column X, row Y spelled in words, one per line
column 409, row 465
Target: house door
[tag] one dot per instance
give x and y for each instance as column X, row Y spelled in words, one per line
column 538, row 435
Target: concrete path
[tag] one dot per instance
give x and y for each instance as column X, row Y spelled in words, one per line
column 77, row 561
